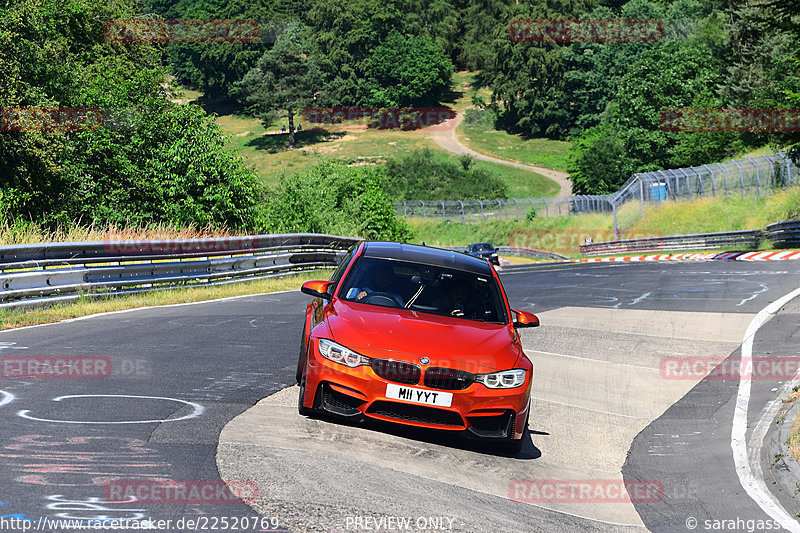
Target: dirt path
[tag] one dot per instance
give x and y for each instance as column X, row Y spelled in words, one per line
column 445, row 136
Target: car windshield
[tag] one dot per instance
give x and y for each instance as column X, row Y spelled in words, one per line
column 424, row 288
column 484, row 247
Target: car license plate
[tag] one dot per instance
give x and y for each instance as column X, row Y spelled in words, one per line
column 425, row 397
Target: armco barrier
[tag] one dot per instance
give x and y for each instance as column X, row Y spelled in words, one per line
column 529, row 252
column 704, row 241
column 785, row 233
column 40, row 274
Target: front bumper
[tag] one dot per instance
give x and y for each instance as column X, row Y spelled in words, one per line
column 359, row 392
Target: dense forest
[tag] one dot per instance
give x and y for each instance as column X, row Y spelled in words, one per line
column 168, row 162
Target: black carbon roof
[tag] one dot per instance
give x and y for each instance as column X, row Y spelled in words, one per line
column 427, row 256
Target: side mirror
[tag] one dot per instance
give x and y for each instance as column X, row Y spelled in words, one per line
column 525, row 319
column 318, row 289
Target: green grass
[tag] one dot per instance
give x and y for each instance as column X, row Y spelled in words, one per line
column 732, row 213
column 564, row 234
column 267, row 151
column 521, row 183
column 543, row 153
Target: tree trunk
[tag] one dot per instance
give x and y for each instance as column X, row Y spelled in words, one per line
column 291, row 129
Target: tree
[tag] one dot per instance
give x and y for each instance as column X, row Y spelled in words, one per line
column 285, row 78
column 598, row 162
column 213, row 68
column 407, row 71
column 150, row 161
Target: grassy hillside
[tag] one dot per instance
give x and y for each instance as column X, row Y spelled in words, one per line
column 675, row 218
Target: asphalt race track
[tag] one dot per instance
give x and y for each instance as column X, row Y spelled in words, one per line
column 183, row 401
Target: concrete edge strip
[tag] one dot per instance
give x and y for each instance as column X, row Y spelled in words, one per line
column 222, row 442
column 777, row 255
column 748, row 466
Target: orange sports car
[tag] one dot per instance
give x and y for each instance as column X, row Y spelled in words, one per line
column 417, row 336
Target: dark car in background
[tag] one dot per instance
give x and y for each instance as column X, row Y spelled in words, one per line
column 484, row 250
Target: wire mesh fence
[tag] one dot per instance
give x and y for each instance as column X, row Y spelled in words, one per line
column 510, row 208
column 751, row 176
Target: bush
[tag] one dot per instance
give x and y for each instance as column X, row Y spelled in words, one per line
column 331, row 197
column 421, row 176
column 482, row 119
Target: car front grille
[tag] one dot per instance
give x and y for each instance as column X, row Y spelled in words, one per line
column 416, row 413
column 448, row 378
column 397, row 371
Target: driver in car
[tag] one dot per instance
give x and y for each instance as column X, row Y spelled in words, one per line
column 382, row 282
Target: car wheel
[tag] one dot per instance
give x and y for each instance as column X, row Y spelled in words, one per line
column 301, row 359
column 302, row 409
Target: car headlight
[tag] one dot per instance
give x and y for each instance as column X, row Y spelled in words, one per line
column 339, row 354
column 507, row 379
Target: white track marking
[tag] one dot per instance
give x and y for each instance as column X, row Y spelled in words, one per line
column 748, row 466
column 648, row 418
column 198, row 410
column 87, row 317
column 641, row 367
column 6, row 398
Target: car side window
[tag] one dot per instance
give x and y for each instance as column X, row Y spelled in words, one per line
column 339, row 272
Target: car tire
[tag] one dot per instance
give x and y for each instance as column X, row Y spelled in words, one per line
column 302, row 409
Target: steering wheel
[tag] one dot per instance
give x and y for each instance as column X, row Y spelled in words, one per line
column 381, row 298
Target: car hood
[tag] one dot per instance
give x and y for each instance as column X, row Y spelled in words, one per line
column 406, row 335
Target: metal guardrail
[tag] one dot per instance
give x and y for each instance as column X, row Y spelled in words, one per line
column 529, row 252
column 514, row 250
column 701, row 241
column 785, row 233
column 33, row 275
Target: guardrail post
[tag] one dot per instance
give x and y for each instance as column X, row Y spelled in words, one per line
column 482, row 213
column 546, row 210
column 423, row 209
column 463, row 217
column 444, row 211
column 500, row 208
column 516, row 204
column 405, row 210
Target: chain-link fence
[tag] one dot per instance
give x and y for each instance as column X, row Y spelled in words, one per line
column 752, row 176
column 510, row 208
